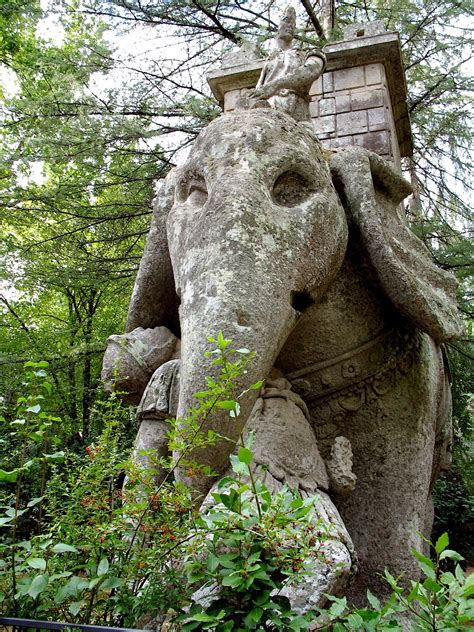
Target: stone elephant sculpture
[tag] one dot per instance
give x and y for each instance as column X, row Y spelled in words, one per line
column 303, row 256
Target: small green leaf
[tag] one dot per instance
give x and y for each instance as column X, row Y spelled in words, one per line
column 37, row 586
column 237, row 466
column 61, row 547
column 355, row 621
column 212, row 562
column 9, row 477
column 253, row 618
column 337, row 607
column 441, row 543
column 103, row 567
column 233, row 580
column 110, row 583
column 202, row 617
column 296, row 503
column 257, row 386
column 414, row 592
column 221, row 341
column 426, row 565
column 93, row 582
column 451, row 555
column 75, row 607
column 15, row 513
column 37, row 562
column 60, row 576
column 431, row 585
column 201, row 394
column 468, row 588
column 372, row 599
column 227, row 404
column 35, row 501
column 56, row 457
column 245, row 455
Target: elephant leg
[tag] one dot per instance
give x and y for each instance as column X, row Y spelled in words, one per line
column 393, row 435
column 159, row 403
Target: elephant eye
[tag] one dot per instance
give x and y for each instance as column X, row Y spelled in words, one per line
column 291, row 188
column 192, row 190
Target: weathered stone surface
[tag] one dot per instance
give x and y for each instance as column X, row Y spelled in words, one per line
column 423, row 292
column 131, row 358
column 339, row 467
column 285, row 444
column 377, row 119
column 363, row 29
column 250, row 152
column 160, row 399
column 325, row 124
column 378, row 142
column 352, row 122
column 349, row 78
column 330, row 572
column 158, row 404
column 366, row 99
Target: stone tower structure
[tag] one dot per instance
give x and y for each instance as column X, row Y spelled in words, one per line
column 360, row 99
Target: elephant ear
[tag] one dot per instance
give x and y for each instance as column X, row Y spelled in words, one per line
column 424, row 293
column 154, row 302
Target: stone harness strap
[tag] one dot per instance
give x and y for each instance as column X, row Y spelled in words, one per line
column 370, row 365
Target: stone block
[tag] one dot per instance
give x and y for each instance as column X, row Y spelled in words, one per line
column 325, row 124
column 316, row 87
column 313, row 108
column 365, row 99
column 363, row 29
column 374, row 73
column 343, row 103
column 326, row 106
column 347, row 78
column 351, row 122
column 328, row 82
column 230, row 99
column 378, row 142
column 377, row 119
column 342, row 141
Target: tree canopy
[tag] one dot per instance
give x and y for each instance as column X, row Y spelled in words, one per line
column 100, row 97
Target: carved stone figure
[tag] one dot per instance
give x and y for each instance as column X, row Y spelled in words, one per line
column 288, row 74
column 310, row 264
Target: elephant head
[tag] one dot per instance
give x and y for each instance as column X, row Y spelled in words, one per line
column 250, row 232
column 246, row 233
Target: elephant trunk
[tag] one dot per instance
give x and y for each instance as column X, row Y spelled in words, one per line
column 253, row 317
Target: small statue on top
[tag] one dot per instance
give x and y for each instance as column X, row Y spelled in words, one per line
column 288, row 73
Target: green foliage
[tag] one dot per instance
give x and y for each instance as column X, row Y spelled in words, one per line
column 441, row 601
column 17, row 20
column 453, row 493
column 107, row 555
column 454, row 511
column 250, row 544
column 103, row 554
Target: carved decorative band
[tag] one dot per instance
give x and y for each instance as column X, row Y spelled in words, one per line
column 352, row 371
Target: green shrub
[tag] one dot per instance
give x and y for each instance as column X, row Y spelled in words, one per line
column 109, row 556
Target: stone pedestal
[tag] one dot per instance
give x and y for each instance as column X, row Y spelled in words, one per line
column 360, row 99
